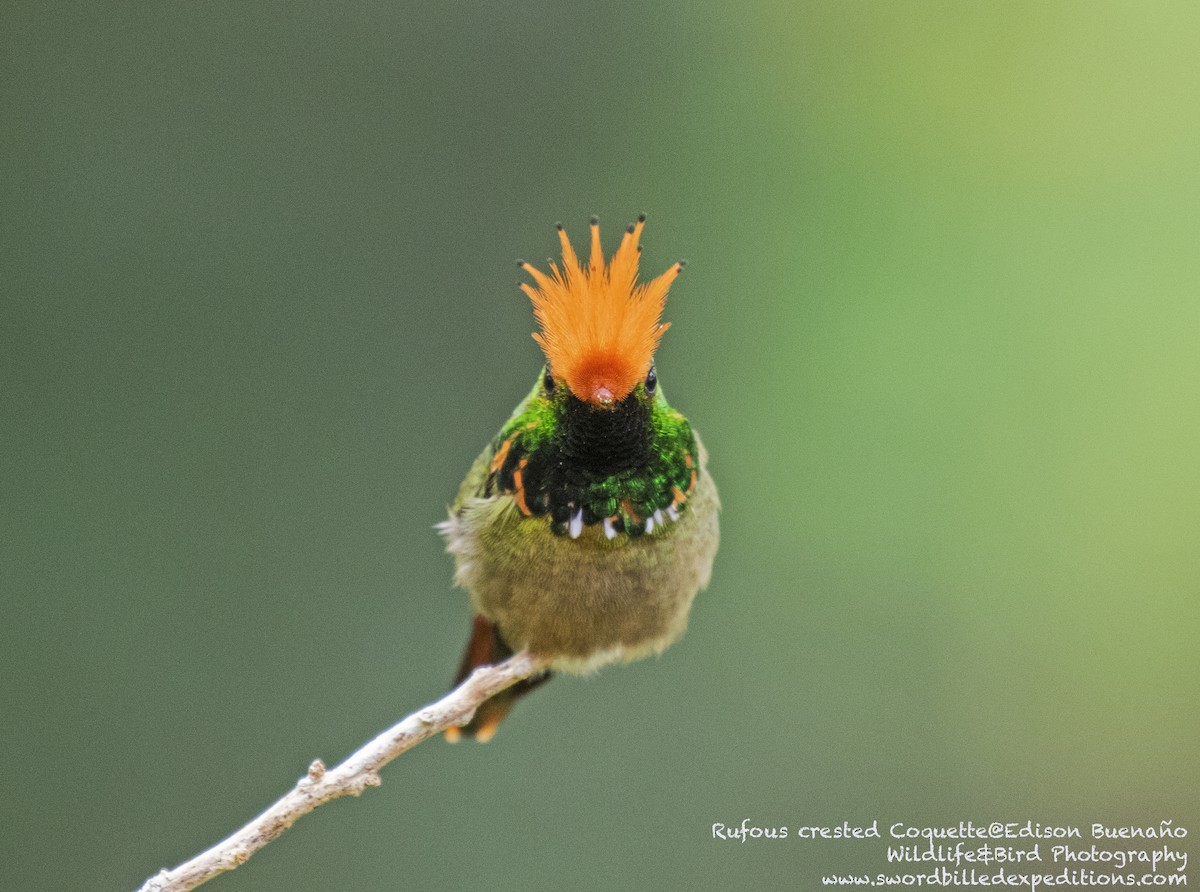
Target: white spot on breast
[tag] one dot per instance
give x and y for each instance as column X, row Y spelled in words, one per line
column 609, row 530
column 672, row 512
column 576, row 526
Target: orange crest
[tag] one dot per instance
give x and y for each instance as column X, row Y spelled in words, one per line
column 600, row 327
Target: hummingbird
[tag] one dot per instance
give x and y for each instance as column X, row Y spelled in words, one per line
column 586, row 527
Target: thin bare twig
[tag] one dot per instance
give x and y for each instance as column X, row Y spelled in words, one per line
column 359, row 771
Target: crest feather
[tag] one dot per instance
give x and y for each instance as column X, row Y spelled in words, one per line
column 599, row 325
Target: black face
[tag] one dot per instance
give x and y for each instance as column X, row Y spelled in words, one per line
column 592, row 444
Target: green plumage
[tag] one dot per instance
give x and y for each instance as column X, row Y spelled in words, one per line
column 583, row 533
column 624, row 463
column 585, row 529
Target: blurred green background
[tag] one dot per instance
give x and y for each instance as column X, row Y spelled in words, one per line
column 940, row 330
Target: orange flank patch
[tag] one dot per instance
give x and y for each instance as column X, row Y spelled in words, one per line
column 519, row 487
column 599, row 325
column 625, row 503
column 680, row 495
column 502, row 454
column 687, row 458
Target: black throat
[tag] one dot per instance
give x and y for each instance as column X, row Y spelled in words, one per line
column 593, row 444
column 573, row 469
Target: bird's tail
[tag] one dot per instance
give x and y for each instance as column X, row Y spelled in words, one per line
column 485, row 648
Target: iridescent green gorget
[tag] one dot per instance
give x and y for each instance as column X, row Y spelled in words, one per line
column 629, row 467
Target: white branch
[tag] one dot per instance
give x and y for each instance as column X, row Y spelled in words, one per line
column 359, row 771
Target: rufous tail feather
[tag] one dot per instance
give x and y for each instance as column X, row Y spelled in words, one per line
column 485, row 648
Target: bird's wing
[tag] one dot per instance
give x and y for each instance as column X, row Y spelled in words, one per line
column 474, row 485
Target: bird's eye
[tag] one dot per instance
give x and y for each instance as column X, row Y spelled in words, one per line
column 651, row 381
column 548, row 380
